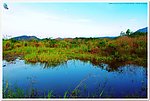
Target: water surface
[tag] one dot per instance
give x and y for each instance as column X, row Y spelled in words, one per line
column 89, row 80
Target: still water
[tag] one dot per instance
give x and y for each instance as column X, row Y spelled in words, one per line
column 89, row 80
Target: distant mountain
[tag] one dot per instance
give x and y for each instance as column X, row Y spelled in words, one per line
column 108, row 37
column 24, row 37
column 143, row 30
column 111, row 37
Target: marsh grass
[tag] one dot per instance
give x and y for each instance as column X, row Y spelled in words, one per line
column 122, row 50
column 16, row 92
column 65, row 95
column 115, row 52
column 9, row 92
column 49, row 94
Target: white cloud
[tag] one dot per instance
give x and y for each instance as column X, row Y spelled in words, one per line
column 17, row 22
column 84, row 20
column 133, row 20
column 49, row 25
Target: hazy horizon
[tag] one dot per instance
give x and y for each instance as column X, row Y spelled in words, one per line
column 70, row 20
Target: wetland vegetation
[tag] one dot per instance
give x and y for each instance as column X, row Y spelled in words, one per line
column 74, row 50
column 118, row 51
column 115, row 52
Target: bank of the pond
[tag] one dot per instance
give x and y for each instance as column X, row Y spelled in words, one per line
column 115, row 52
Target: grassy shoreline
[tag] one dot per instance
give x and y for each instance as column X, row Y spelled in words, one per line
column 115, row 52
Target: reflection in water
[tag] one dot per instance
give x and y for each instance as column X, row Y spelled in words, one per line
column 76, row 78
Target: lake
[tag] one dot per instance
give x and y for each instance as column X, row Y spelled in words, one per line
column 76, row 78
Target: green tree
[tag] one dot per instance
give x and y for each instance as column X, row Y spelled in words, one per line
column 128, row 32
column 122, row 33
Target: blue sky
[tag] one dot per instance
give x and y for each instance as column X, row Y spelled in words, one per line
column 72, row 19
